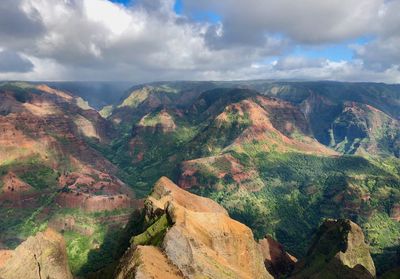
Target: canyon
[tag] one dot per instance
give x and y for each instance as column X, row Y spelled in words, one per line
column 274, row 161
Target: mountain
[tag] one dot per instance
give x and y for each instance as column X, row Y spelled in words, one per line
column 181, row 235
column 280, row 157
column 97, row 94
column 338, row 251
column 49, row 175
column 197, row 239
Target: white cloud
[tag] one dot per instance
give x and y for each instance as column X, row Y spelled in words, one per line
column 306, row 21
column 112, row 16
column 383, row 53
column 101, row 40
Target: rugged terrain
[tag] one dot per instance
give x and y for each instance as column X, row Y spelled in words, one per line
column 279, row 156
column 181, row 235
column 49, row 175
column 41, row 256
column 196, row 237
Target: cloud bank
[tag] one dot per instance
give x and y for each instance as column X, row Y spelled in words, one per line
column 148, row 40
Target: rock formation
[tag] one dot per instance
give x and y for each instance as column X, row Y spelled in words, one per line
column 196, row 239
column 147, row 262
column 338, row 251
column 277, row 261
column 187, row 236
column 42, row 256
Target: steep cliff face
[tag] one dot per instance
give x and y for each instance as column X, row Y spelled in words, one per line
column 363, row 129
column 42, row 256
column 195, row 236
column 48, row 166
column 143, row 99
column 267, row 160
column 305, row 151
column 188, row 236
column 47, row 124
column 43, row 147
column 277, row 261
column 258, row 123
column 338, row 251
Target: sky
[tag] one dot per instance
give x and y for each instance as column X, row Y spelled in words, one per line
column 150, row 40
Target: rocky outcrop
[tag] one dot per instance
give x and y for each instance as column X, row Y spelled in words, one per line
column 161, row 122
column 196, row 236
column 147, row 262
column 94, row 191
column 93, row 203
column 277, row 261
column 42, row 256
column 338, row 251
column 187, row 236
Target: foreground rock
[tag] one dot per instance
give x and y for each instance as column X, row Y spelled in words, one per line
column 277, row 261
column 196, row 239
column 147, row 262
column 42, row 256
column 338, row 251
column 187, row 236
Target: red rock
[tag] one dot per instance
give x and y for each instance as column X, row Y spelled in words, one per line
column 277, row 261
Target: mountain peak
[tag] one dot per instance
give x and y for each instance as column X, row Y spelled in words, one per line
column 199, row 238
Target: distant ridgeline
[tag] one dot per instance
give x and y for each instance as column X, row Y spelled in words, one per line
column 280, row 157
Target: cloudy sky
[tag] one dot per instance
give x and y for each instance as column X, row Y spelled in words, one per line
column 147, row 40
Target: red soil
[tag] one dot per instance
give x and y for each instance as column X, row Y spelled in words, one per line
column 11, row 183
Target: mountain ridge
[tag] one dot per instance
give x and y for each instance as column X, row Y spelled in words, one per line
column 280, row 157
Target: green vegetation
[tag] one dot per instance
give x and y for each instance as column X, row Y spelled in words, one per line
column 21, row 90
column 289, row 193
column 161, row 153
column 286, row 194
column 154, row 234
column 17, row 224
column 106, row 111
column 135, row 98
column 92, row 244
column 300, row 190
column 78, row 248
column 40, row 177
column 89, row 253
column 83, row 104
column 327, row 242
column 382, row 233
column 33, row 171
